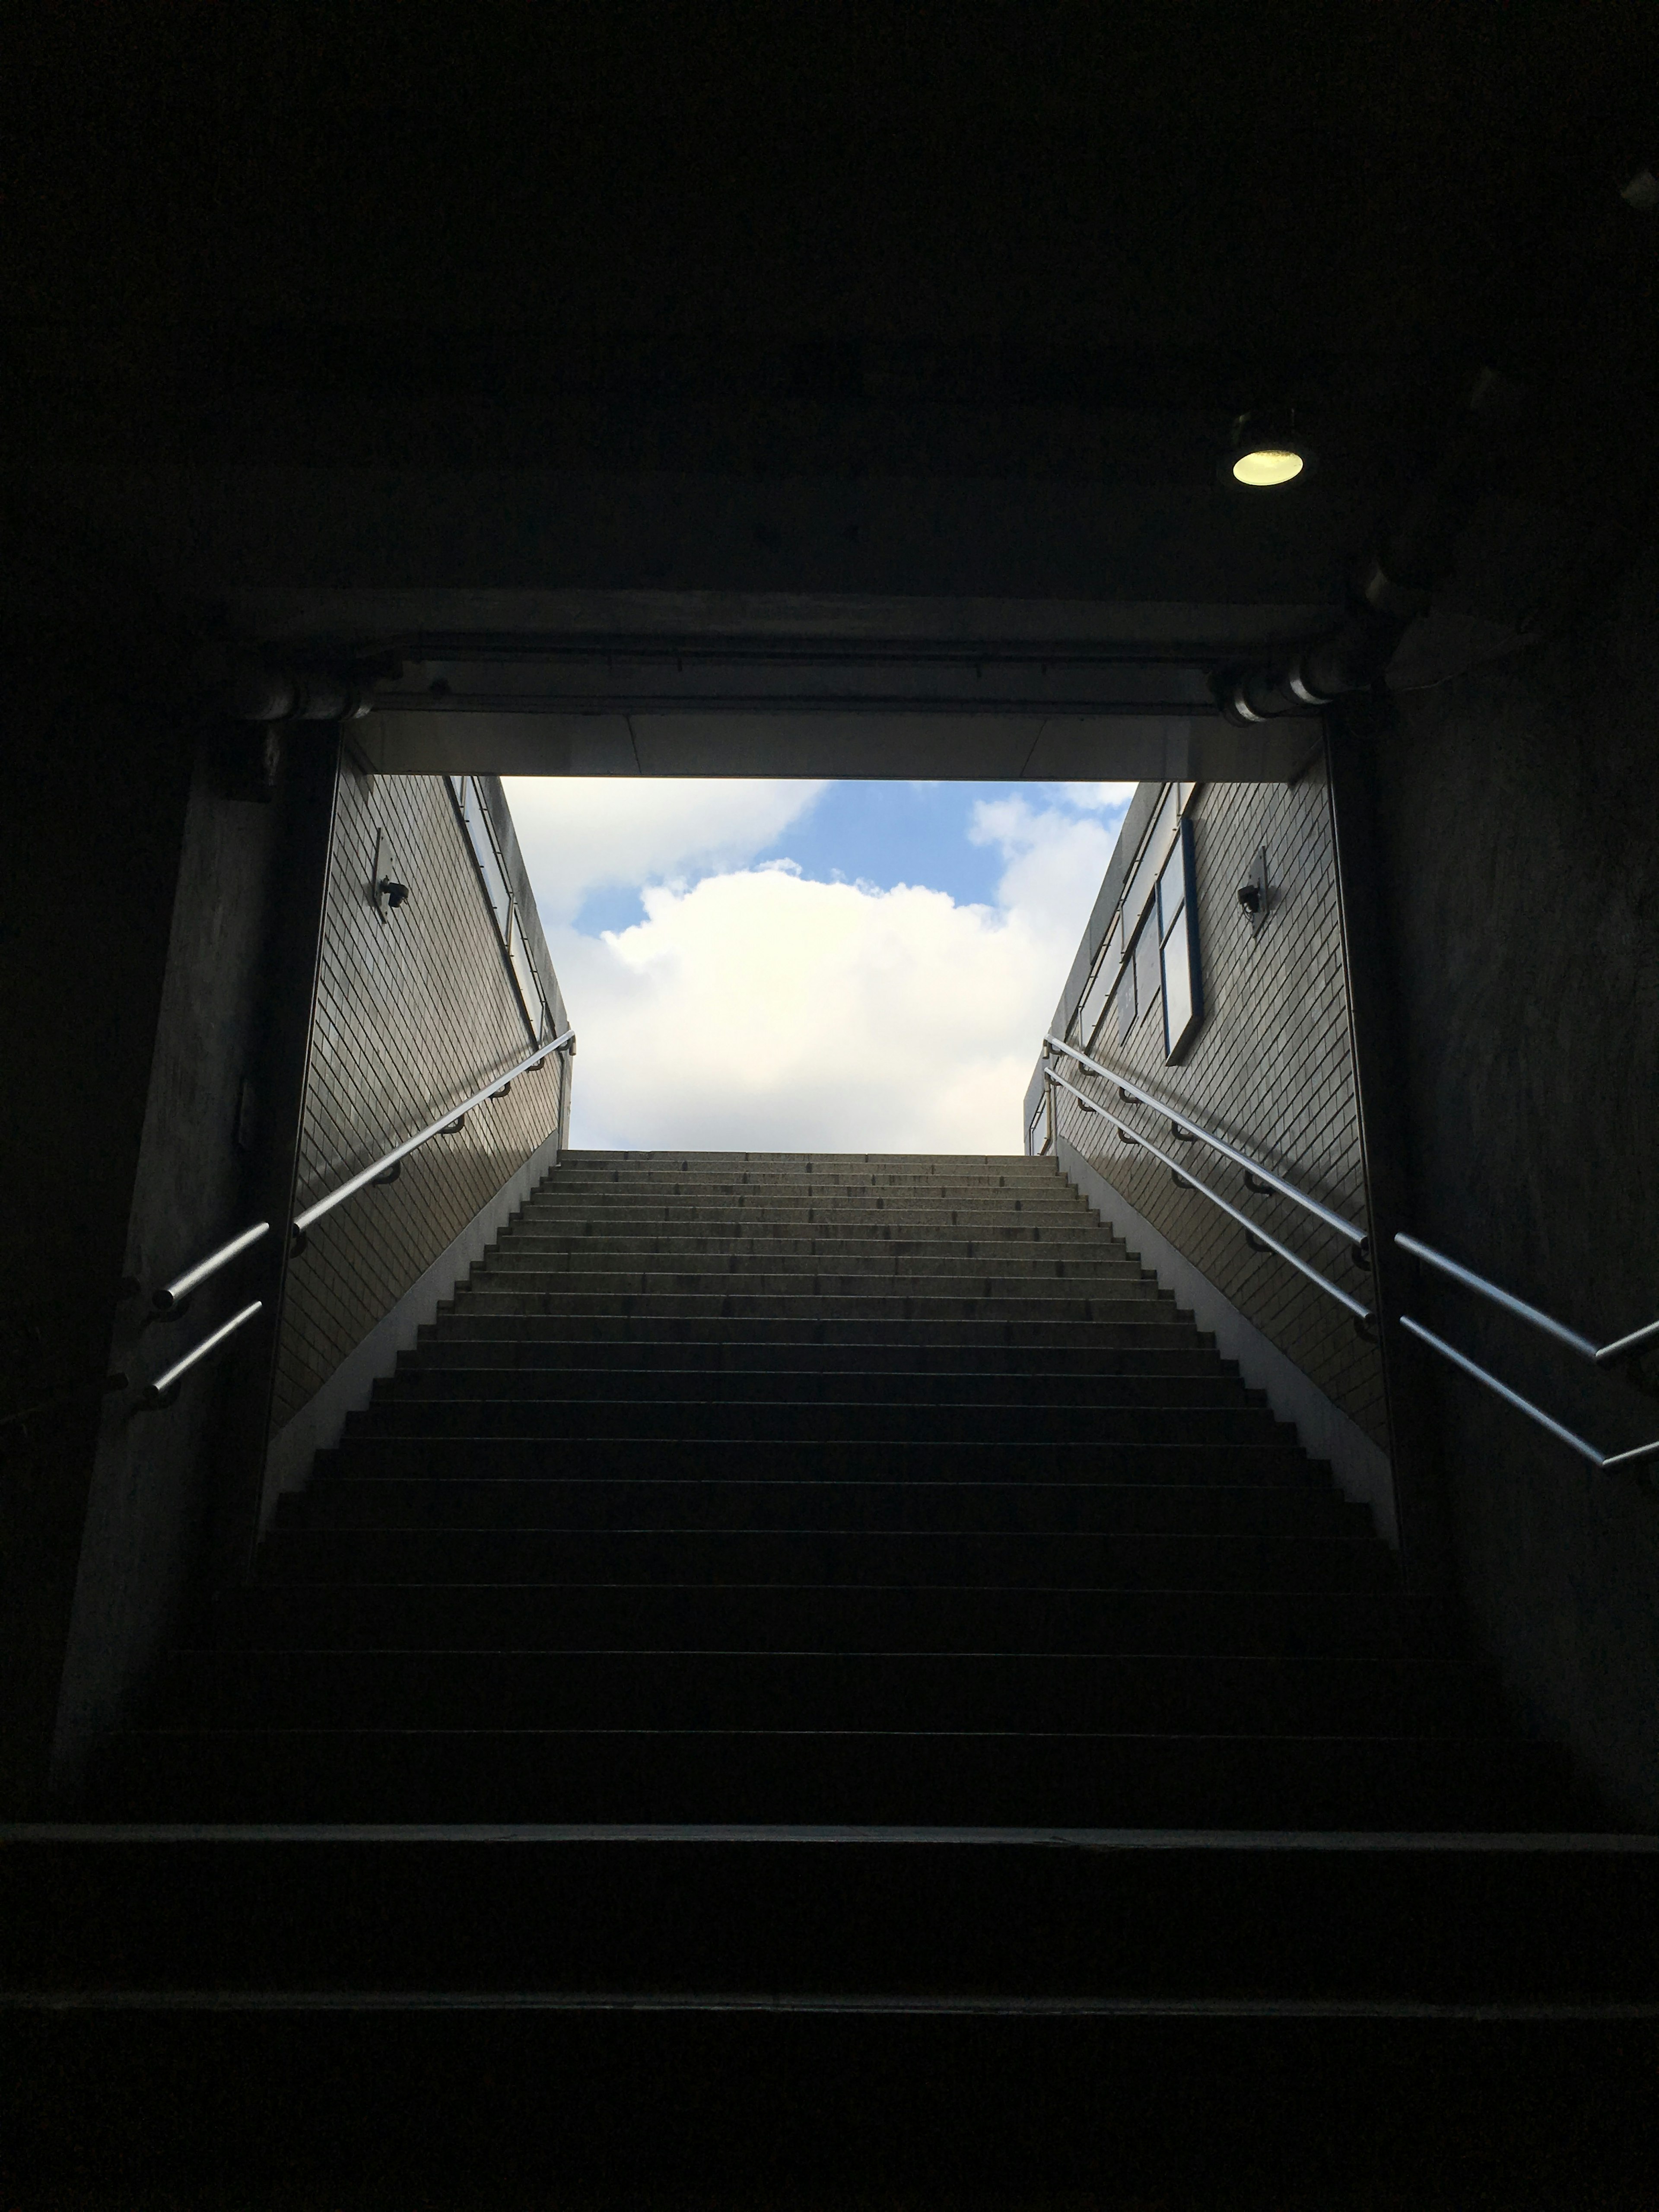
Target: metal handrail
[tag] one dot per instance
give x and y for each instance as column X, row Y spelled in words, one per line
column 1350, row 1230
column 451, row 1114
column 1361, row 1313
column 1598, row 1355
column 155, row 1393
column 171, row 1297
column 174, row 1294
column 1597, row 1459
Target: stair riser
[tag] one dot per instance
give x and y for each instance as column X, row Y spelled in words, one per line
column 967, row 1561
column 793, row 1193
column 787, row 1691
column 808, row 1460
column 587, row 1296
column 891, row 1368
column 964, row 1341
column 696, row 1422
column 1059, row 1508
column 1110, row 1782
column 749, row 1488
column 971, row 1288
column 854, row 1171
column 422, row 1380
column 1034, row 1258
column 1142, row 1922
column 563, row 1616
column 669, row 1233
column 817, row 1217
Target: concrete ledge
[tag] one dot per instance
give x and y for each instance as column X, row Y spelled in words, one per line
column 321, row 1420
column 1362, row 1473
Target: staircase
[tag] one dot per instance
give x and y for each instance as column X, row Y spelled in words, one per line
column 849, row 1577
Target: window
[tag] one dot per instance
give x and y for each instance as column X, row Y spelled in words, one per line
column 1138, row 895
column 1100, row 984
column 1146, row 962
column 524, row 972
column 1127, row 1009
column 1151, row 947
column 475, row 820
column 469, row 804
column 1115, row 975
column 1176, row 936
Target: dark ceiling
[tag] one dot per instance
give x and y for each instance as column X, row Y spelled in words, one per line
column 1276, row 181
column 324, row 322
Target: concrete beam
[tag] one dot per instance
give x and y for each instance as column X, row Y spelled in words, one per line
column 1118, row 748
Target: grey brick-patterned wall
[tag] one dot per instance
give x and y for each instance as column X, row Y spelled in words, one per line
column 1271, row 1069
column 413, row 1014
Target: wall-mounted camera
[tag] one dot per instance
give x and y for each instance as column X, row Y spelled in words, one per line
column 1253, row 894
column 385, row 889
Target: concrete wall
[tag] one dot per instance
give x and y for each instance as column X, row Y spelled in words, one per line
column 97, row 793
column 1271, row 1069
column 1517, row 810
column 195, row 1184
column 414, row 1012
column 168, row 928
column 1361, row 1471
column 320, row 1422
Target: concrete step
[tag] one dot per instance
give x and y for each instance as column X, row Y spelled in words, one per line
column 814, row 1459
column 848, row 1255
column 853, row 1212
column 896, row 1367
column 979, row 1778
column 1109, row 1333
column 937, row 1559
column 581, row 1159
column 1003, row 1218
column 973, row 1280
column 563, row 1615
column 577, row 1187
column 738, row 1298
column 925, row 1169
column 1009, row 1220
column 349, row 1501
column 422, row 1379
column 1150, row 1923
column 697, row 1421
column 786, row 1690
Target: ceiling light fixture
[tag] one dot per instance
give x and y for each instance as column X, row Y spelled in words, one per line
column 1266, row 451
column 1267, row 465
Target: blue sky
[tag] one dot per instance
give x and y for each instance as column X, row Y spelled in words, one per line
column 877, row 832
column 830, row 966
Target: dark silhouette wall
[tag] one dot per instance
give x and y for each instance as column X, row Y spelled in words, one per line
column 97, row 795
column 1516, row 814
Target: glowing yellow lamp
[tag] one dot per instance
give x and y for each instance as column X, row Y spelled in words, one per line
column 1267, row 465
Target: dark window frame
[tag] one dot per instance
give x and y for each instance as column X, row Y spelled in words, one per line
column 1178, row 950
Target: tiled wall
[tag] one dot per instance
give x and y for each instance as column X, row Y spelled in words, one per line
column 413, row 1014
column 1271, row 1069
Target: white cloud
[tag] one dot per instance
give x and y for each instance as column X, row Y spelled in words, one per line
column 759, row 1009
column 586, row 833
column 1052, row 862
column 1112, row 798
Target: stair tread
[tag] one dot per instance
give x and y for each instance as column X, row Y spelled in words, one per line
column 815, row 1488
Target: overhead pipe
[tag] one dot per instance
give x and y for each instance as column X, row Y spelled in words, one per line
column 1394, row 586
column 245, row 686
column 259, row 691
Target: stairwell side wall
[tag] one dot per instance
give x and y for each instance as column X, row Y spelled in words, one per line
column 1270, row 1068
column 415, row 1009
column 320, row 1422
column 1361, row 1470
column 1517, row 814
